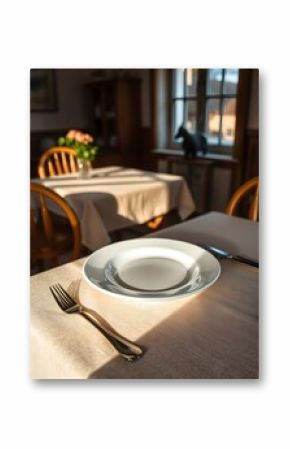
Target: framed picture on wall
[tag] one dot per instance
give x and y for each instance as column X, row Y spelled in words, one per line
column 43, row 95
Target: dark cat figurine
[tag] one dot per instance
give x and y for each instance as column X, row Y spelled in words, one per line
column 192, row 143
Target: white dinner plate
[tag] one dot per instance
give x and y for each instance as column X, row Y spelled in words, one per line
column 151, row 269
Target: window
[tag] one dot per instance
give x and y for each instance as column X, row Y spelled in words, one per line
column 185, row 99
column 205, row 101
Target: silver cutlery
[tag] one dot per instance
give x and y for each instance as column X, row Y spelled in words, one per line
column 127, row 349
column 222, row 254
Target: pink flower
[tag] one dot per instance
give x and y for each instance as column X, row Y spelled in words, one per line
column 71, row 134
column 87, row 138
column 79, row 136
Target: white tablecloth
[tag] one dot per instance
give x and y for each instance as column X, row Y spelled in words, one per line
column 214, row 334
column 114, row 198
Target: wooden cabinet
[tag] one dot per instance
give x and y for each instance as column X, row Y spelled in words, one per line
column 210, row 180
column 115, row 117
column 193, row 170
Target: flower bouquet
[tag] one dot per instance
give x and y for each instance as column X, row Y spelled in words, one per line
column 83, row 145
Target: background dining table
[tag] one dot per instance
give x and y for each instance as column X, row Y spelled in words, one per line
column 114, row 198
column 214, row 334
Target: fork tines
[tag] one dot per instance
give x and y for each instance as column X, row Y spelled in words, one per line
column 63, row 299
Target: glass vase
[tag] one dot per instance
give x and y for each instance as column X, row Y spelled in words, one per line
column 85, row 168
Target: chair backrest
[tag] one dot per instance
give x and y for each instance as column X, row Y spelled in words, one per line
column 250, row 186
column 57, row 161
column 43, row 230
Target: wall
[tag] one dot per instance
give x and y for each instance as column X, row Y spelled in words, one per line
column 71, row 111
column 161, row 105
column 144, row 74
column 253, row 119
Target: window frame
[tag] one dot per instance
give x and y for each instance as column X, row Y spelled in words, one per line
column 201, row 98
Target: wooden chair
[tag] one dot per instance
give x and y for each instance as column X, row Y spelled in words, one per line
column 50, row 240
column 251, row 186
column 57, row 161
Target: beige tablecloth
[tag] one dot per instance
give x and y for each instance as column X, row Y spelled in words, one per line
column 211, row 335
column 114, row 198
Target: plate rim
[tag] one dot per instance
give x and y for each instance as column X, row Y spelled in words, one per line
column 151, row 299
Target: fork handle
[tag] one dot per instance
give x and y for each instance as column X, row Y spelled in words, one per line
column 126, row 348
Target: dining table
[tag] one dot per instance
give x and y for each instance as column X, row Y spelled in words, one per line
column 213, row 334
column 113, row 198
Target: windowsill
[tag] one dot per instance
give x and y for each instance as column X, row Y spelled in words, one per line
column 210, row 156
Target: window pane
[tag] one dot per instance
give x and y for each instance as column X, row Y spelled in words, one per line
column 177, row 116
column 231, row 81
column 213, row 121
column 229, row 121
column 178, row 83
column 214, row 81
column 190, row 82
column 190, row 116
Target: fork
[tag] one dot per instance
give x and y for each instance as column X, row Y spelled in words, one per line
column 127, row 349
